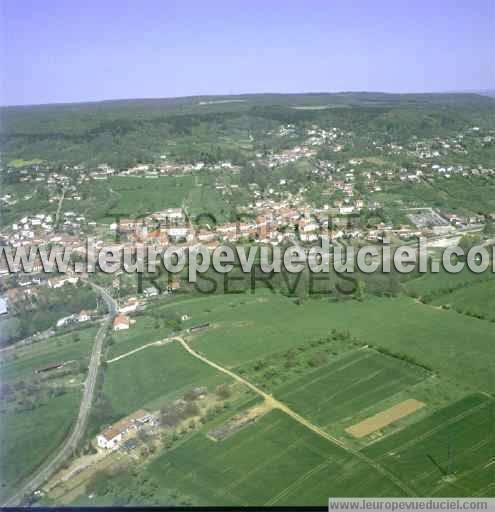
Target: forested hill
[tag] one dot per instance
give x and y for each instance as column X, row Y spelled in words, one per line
column 122, row 132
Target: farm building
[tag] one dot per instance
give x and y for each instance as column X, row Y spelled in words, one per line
column 112, row 436
column 121, row 322
column 49, row 368
column 131, row 306
column 66, row 320
column 109, row 439
column 199, row 327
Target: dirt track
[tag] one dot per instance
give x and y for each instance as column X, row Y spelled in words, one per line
column 303, row 421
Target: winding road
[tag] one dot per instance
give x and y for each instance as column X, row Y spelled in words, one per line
column 66, row 450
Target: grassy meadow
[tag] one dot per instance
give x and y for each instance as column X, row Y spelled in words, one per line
column 153, row 375
column 430, row 336
column 28, row 438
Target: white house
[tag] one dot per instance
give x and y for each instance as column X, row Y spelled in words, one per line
column 113, row 435
column 131, row 306
column 59, row 282
column 66, row 320
column 150, row 292
column 84, row 316
column 109, row 439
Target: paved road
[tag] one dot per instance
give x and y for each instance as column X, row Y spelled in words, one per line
column 71, row 443
column 303, row 421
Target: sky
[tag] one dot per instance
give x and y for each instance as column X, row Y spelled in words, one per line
column 88, row 50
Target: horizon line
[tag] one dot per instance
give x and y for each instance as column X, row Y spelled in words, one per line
column 478, row 92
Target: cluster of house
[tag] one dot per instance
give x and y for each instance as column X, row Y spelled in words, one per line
column 286, row 156
column 267, row 221
column 165, row 167
column 440, row 146
column 274, row 212
column 73, row 220
column 28, row 285
column 26, row 227
column 114, row 435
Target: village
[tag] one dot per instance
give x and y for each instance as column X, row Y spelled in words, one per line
column 352, row 205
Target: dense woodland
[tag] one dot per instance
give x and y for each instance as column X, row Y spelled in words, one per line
column 125, row 132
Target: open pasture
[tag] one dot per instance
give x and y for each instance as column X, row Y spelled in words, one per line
column 145, row 330
column 147, row 377
column 27, row 438
column 442, row 282
column 447, row 453
column 152, row 325
column 432, row 337
column 137, row 195
column 23, row 361
column 475, row 300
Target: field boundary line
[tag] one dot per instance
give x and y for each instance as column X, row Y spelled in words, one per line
column 472, row 449
column 185, row 476
column 484, row 489
column 338, row 370
column 246, row 475
column 436, row 429
column 303, row 421
column 371, row 376
column 395, row 382
column 297, row 482
column 234, row 448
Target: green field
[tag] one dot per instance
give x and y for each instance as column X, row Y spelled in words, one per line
column 147, row 378
column 433, row 284
column 31, row 433
column 151, row 326
column 136, row 196
column 28, row 438
column 207, row 200
column 277, row 461
column 476, row 300
column 257, row 465
column 434, row 338
column 61, row 348
column 446, row 454
column 344, row 388
column 144, row 331
column 19, row 162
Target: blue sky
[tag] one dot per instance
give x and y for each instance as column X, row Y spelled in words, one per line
column 64, row 50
